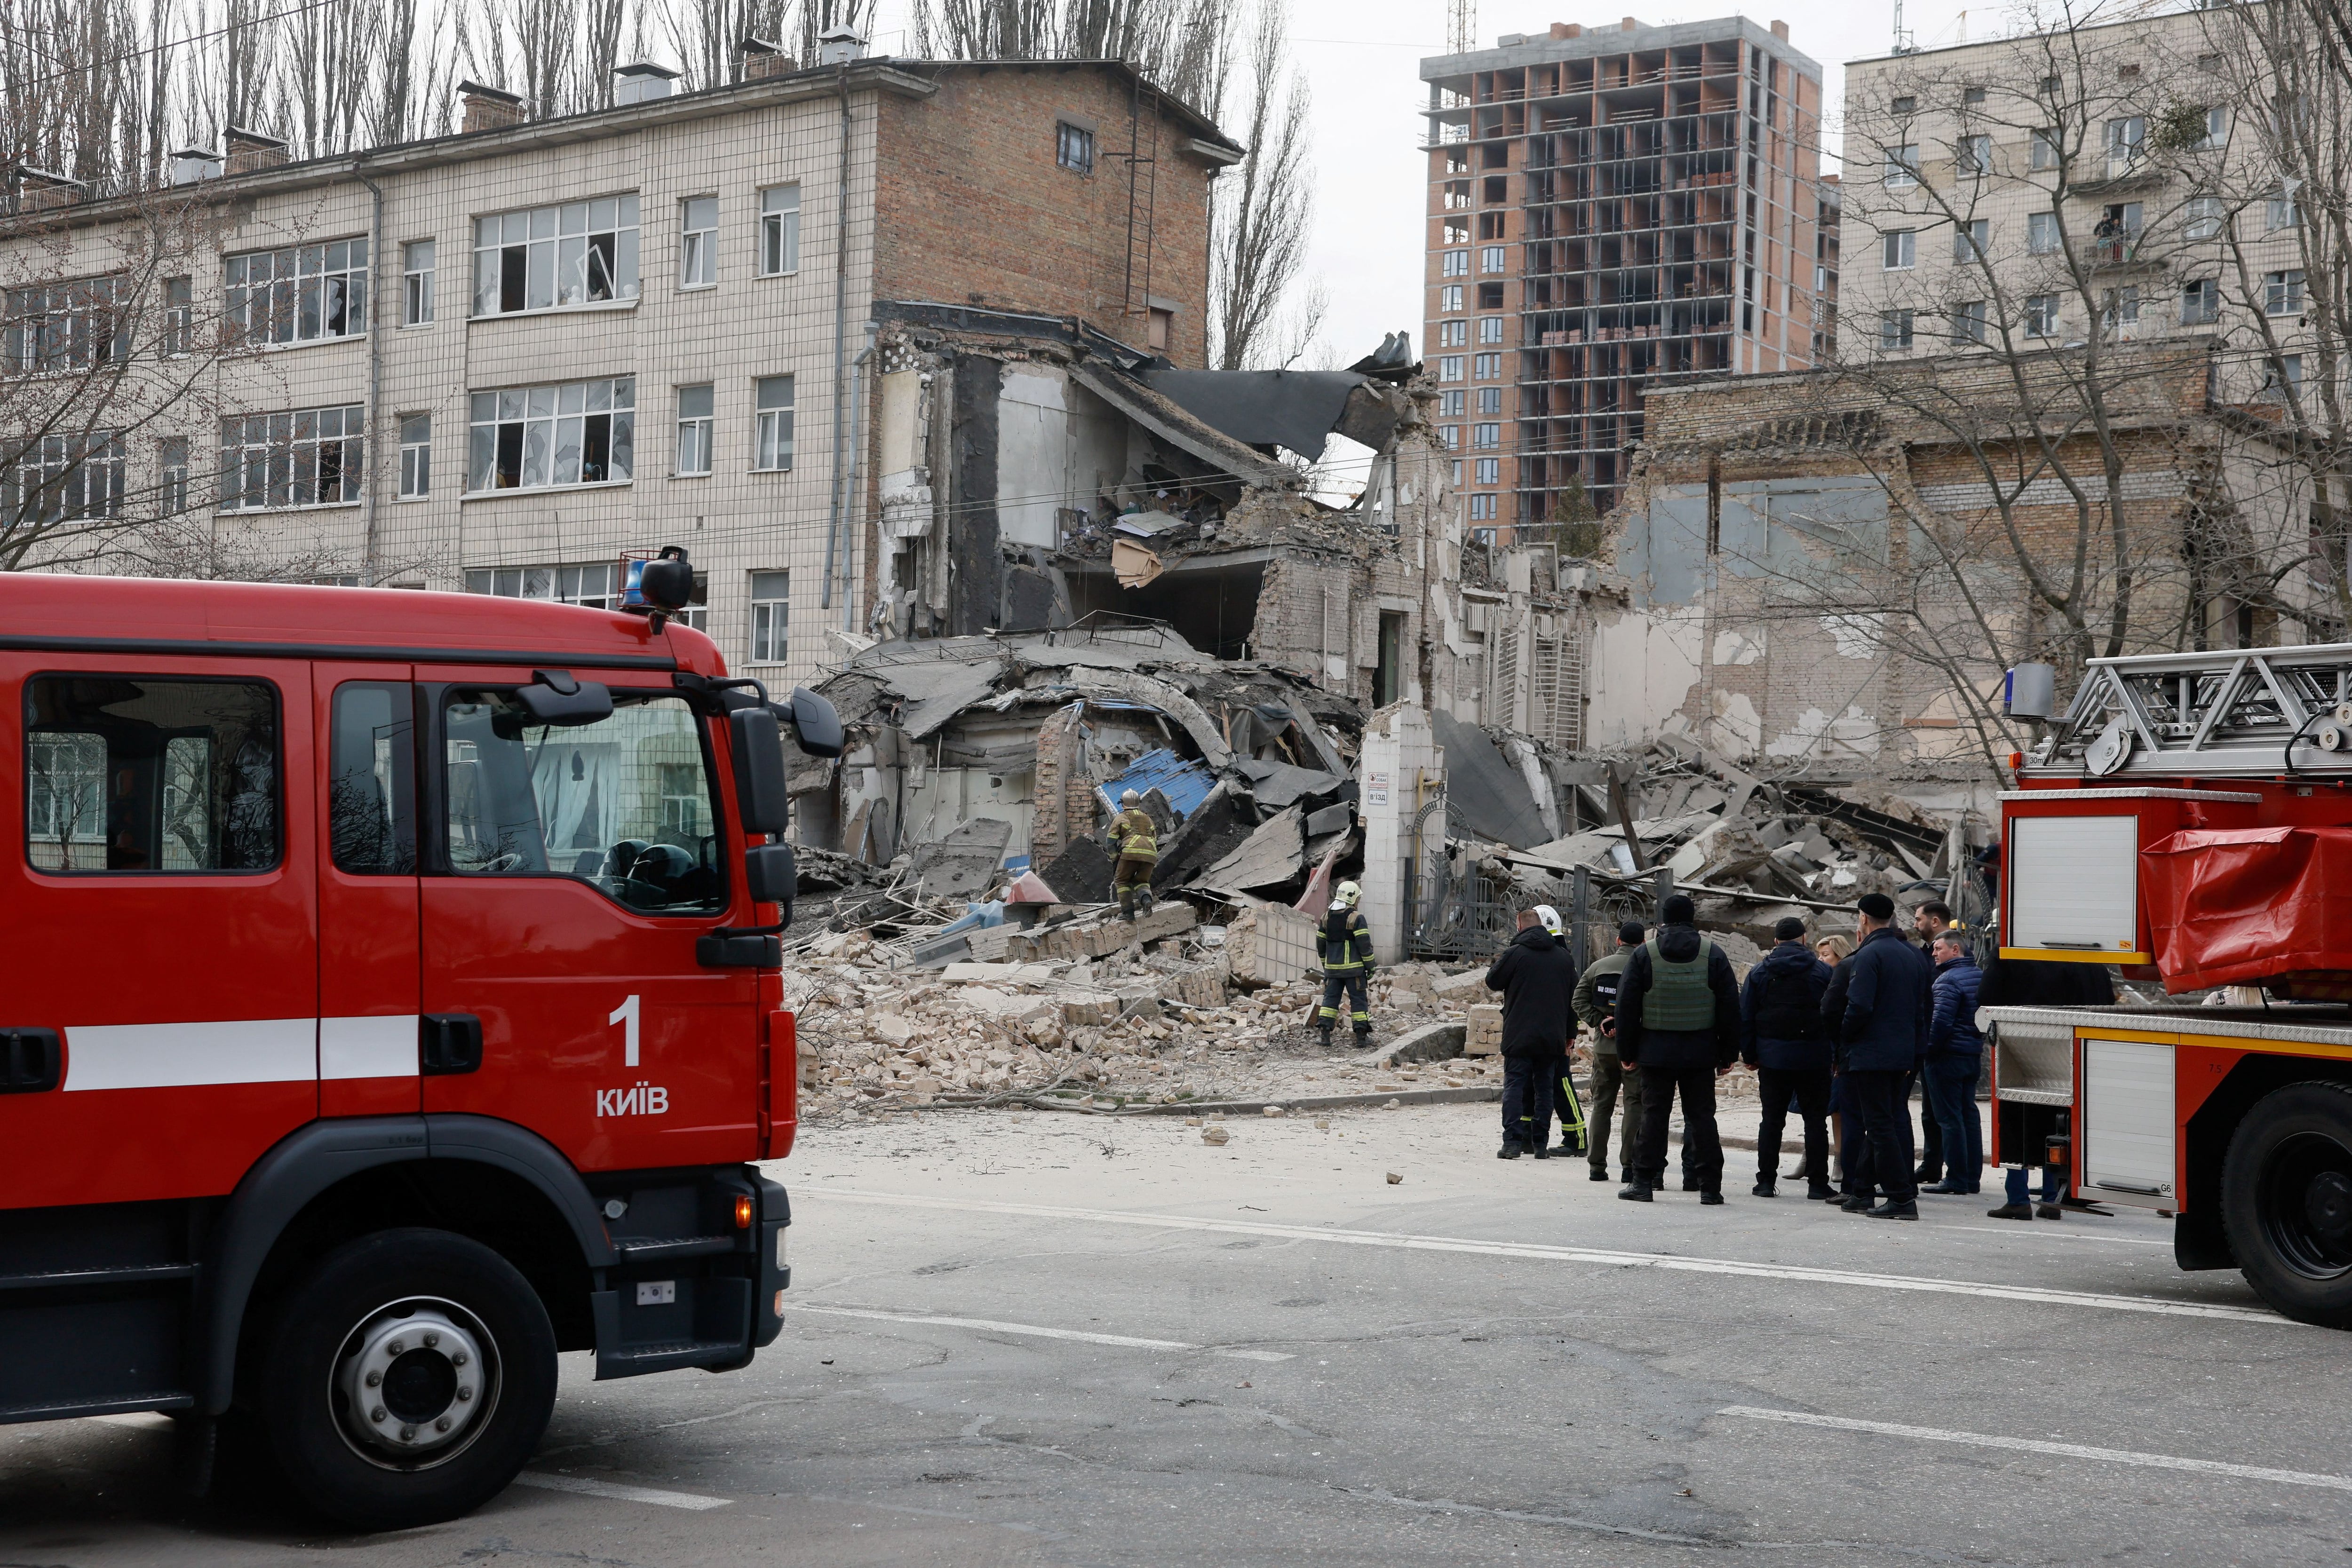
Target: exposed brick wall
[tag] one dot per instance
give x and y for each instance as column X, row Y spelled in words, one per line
column 972, row 206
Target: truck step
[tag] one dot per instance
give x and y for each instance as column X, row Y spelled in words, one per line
column 658, row 1249
column 629, row 1360
column 129, row 1274
column 64, row 1409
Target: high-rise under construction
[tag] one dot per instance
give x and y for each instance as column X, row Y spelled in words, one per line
column 1608, row 207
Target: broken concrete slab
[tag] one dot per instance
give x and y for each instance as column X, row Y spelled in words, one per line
column 1270, row 945
column 1430, row 1042
column 1081, row 873
column 1266, row 857
column 1485, row 794
column 964, row 862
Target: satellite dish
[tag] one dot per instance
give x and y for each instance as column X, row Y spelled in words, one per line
column 2112, row 748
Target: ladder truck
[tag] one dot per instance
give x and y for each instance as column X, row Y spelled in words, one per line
column 2189, row 818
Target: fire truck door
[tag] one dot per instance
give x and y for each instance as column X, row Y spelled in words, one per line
column 161, row 925
column 571, row 868
column 368, row 958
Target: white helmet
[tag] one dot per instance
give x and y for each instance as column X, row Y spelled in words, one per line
column 1346, row 894
column 1128, row 798
column 1549, row 916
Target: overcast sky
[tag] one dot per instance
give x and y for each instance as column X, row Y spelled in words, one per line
column 1362, row 60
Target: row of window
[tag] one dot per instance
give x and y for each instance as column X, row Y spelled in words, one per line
column 1483, row 437
column 2200, row 306
column 540, row 258
column 597, row 585
column 2123, row 139
column 1452, row 405
column 1456, row 334
column 1485, row 367
column 2113, row 237
column 1457, row 263
column 569, row 435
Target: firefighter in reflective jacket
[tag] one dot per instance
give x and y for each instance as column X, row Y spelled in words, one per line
column 1347, row 944
column 1137, row 838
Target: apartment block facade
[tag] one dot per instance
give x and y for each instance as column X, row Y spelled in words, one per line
column 1607, row 206
column 2050, row 190
column 499, row 361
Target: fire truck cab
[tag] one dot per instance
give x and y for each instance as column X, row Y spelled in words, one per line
column 393, row 1003
column 2189, row 819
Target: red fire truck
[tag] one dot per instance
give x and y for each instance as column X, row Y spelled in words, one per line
column 2189, row 818
column 393, row 1001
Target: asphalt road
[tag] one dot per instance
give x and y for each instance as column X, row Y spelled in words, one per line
column 1040, row 1339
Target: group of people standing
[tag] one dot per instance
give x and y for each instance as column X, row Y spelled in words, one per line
column 1839, row 1032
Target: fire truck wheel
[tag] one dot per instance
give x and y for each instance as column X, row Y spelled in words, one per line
column 2286, row 1201
column 406, row 1379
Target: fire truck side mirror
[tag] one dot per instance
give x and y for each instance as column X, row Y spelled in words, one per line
column 559, row 698
column 773, row 878
column 816, row 727
column 763, row 800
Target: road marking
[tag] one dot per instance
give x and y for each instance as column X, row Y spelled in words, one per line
column 619, row 1493
column 2057, row 1235
column 1673, row 1262
column 1124, row 1341
column 2029, row 1446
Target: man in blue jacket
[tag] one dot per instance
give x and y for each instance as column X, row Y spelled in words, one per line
column 1781, row 1035
column 1882, row 1034
column 1955, row 1061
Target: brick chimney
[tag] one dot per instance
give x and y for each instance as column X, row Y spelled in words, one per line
column 1567, row 30
column 1780, row 31
column 1631, row 24
column 489, row 109
column 37, row 190
column 763, row 59
column 250, row 149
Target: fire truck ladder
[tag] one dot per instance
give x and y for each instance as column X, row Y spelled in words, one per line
column 2236, row 713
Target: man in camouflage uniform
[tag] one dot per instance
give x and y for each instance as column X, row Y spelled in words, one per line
column 1137, row 838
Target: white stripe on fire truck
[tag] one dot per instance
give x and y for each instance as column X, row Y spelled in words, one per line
column 179, row 1055
column 368, row 1048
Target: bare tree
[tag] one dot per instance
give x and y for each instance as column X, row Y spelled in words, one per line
column 1180, row 45
column 1264, row 211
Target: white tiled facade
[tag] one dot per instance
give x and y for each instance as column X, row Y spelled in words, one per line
column 1942, row 161
column 736, row 522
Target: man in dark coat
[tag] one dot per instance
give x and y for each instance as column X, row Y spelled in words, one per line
column 1536, row 975
column 1678, row 1022
column 1882, row 1033
column 1781, row 1035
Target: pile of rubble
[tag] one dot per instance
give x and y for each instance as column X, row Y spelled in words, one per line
column 1085, row 1010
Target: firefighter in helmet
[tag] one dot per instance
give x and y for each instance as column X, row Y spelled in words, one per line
column 1347, row 945
column 1137, row 838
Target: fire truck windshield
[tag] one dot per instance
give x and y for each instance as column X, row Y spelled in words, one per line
column 625, row 803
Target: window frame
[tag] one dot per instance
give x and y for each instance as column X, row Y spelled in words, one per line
column 2207, row 293
column 625, row 262
column 779, row 231
column 350, row 461
column 280, row 823
column 762, row 445
column 2042, row 234
column 1902, row 167
column 697, row 246
column 762, row 624
column 415, row 482
column 416, row 282
column 283, row 297
column 704, row 425
column 172, row 478
column 2044, row 316
column 1899, row 250
column 1073, row 147
column 1898, row 330
column 554, row 420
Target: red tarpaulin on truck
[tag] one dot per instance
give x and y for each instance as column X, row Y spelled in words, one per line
column 2234, row 906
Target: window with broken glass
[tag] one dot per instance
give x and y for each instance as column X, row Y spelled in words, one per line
column 64, row 326
column 555, row 258
column 533, row 438
column 303, row 294
column 298, row 457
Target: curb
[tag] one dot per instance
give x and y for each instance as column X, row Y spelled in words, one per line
column 1468, row 1096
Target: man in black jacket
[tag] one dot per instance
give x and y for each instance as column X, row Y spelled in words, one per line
column 1880, row 1024
column 1781, row 1035
column 1536, row 975
column 1678, row 1022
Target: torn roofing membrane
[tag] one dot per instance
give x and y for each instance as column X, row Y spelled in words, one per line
column 1297, row 409
column 1185, row 784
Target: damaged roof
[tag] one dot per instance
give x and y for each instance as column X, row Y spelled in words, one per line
column 1301, row 410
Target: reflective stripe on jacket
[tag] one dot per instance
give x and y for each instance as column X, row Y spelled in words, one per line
column 1135, row 833
column 1345, row 942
